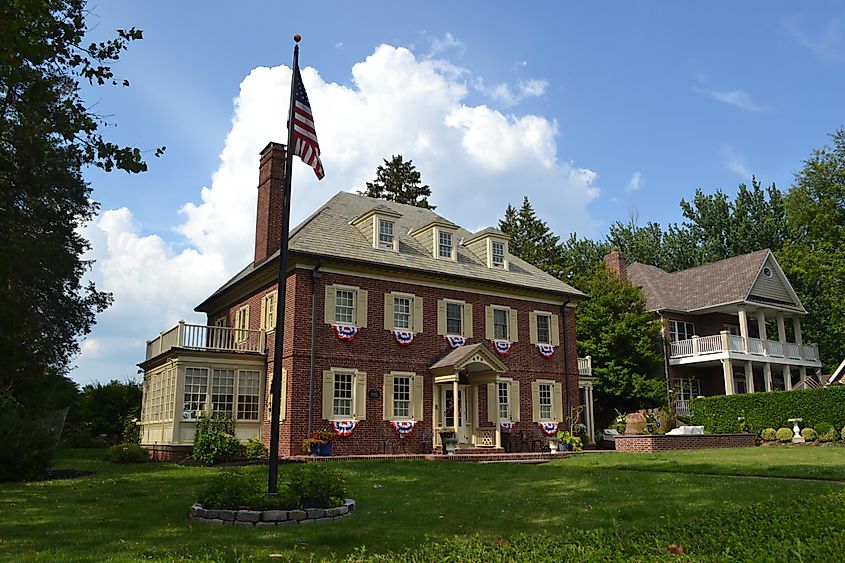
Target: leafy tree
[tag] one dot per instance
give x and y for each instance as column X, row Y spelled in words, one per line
column 105, row 407
column 48, row 136
column 399, row 181
column 814, row 255
column 579, row 259
column 624, row 341
column 531, row 239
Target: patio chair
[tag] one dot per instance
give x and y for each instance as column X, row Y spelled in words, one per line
column 537, row 438
column 385, row 442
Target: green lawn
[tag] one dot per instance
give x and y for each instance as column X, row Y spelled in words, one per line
column 617, row 501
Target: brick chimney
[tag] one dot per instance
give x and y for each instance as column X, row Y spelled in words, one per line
column 616, row 262
column 268, row 221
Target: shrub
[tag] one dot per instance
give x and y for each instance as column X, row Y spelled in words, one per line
column 131, row 433
column 255, row 448
column 232, row 489
column 214, row 440
column 128, row 453
column 822, row 428
column 27, row 446
column 842, row 434
column 83, row 439
column 317, row 485
column 784, row 435
column 809, row 434
column 829, row 435
column 762, row 410
column 768, row 435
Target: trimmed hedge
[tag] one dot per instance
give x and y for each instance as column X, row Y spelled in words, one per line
column 762, row 410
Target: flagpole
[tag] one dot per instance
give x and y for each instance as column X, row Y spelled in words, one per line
column 276, row 386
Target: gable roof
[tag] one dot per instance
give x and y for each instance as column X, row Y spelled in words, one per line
column 329, row 233
column 731, row 281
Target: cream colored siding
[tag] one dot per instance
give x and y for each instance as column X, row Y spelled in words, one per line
column 772, row 288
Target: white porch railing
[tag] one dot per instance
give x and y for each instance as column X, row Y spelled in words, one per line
column 682, row 407
column 724, row 342
column 201, row 337
column 585, row 366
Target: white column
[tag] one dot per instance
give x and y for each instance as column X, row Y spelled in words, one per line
column 455, row 405
column 796, row 327
column 803, row 372
column 761, row 330
column 498, row 431
column 749, row 377
column 787, row 378
column 591, row 424
column 727, row 371
column 781, row 331
column 767, row 375
column 743, row 328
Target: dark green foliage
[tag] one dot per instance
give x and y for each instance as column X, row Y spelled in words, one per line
column 317, row 485
column 809, row 434
column 128, row 453
column 826, row 433
column 768, row 435
column 822, row 427
column 784, row 435
column 255, row 448
column 814, row 256
column 215, row 441
column 83, row 440
column 27, row 444
column 108, row 408
column 719, row 414
column 531, row 239
column 625, row 344
column 399, row 181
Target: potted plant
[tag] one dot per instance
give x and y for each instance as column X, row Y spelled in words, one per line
column 318, row 442
column 569, row 441
column 449, row 439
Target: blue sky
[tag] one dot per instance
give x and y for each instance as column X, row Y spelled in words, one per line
column 596, row 112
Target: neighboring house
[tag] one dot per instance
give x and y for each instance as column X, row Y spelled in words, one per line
column 733, row 326
column 396, row 320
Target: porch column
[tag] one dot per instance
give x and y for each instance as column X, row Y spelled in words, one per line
column 727, row 371
column 749, row 377
column 803, row 373
column 591, row 425
column 787, row 378
column 767, row 375
column 781, row 331
column 796, row 327
column 455, row 405
column 761, row 331
column 743, row 328
column 498, row 431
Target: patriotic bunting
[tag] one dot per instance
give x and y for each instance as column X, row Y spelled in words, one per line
column 345, row 332
column 546, row 350
column 550, row 428
column 506, row 426
column 403, row 426
column 455, row 341
column 344, row 427
column 503, row 347
column 403, row 337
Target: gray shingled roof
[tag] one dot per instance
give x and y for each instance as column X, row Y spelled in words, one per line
column 329, row 232
column 710, row 285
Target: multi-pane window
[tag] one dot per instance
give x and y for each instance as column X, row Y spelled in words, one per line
column 444, row 247
column 222, row 390
column 500, row 324
column 401, row 396
column 498, row 254
column 269, row 307
column 688, row 388
column 504, row 401
column 402, row 312
column 680, row 330
column 385, row 234
column 248, row 394
column 242, row 323
column 343, row 394
column 454, row 318
column 196, row 387
column 345, row 306
column 543, row 330
column 545, row 401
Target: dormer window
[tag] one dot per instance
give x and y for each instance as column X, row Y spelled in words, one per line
column 385, row 234
column 498, row 254
column 444, row 247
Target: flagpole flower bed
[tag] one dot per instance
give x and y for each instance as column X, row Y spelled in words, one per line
column 271, row 517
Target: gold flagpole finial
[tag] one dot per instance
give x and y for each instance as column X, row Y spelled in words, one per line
column 297, row 38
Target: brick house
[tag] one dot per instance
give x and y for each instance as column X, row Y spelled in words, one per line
column 395, row 318
column 733, row 326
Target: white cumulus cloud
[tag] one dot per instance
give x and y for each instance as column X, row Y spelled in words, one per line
column 635, row 182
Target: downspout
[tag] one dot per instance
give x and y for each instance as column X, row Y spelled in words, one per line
column 566, row 373
column 315, row 281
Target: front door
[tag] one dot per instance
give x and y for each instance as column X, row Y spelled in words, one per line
column 448, row 415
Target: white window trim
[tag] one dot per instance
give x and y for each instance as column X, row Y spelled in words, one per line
column 267, row 311
column 507, row 312
column 359, row 394
column 548, row 316
column 505, row 263
column 453, row 255
column 242, row 333
column 677, row 333
column 551, row 386
column 377, row 220
column 462, row 304
column 208, row 409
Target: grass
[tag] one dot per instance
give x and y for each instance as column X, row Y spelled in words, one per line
column 615, row 501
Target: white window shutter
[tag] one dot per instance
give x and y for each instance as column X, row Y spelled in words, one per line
column 361, row 309
column 532, row 327
column 535, row 401
column 513, row 327
column 488, row 322
column 441, row 317
column 514, row 400
column 492, row 401
column 387, row 395
column 557, row 402
column 418, row 315
column 467, row 320
column 419, row 413
column 360, row 396
column 555, row 330
column 328, row 394
column 388, row 311
column 331, row 298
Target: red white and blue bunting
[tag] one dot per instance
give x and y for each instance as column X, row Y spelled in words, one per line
column 455, row 341
column 546, row 350
column 503, row 347
column 403, row 426
column 344, row 427
column 345, row 332
column 506, row 426
column 403, row 337
column 550, row 428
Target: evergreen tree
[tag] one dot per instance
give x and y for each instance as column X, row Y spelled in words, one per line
column 814, row 254
column 531, row 239
column 624, row 341
column 399, row 181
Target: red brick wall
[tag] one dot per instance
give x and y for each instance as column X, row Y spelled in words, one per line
column 375, row 351
column 662, row 442
column 268, row 224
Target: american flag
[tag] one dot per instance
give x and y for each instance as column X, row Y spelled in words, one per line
column 812, row 383
column 305, row 143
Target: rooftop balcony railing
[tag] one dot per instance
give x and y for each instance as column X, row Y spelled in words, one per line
column 585, row 366
column 206, row 338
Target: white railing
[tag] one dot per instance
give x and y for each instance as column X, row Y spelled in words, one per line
column 485, row 437
column 737, row 343
column 793, row 351
column 682, row 407
column 775, row 348
column 585, row 366
column 681, row 348
column 201, row 337
column 811, row 353
column 710, row 344
column 755, row 346
column 715, row 344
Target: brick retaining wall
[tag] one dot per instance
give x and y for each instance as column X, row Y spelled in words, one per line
column 663, row 442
